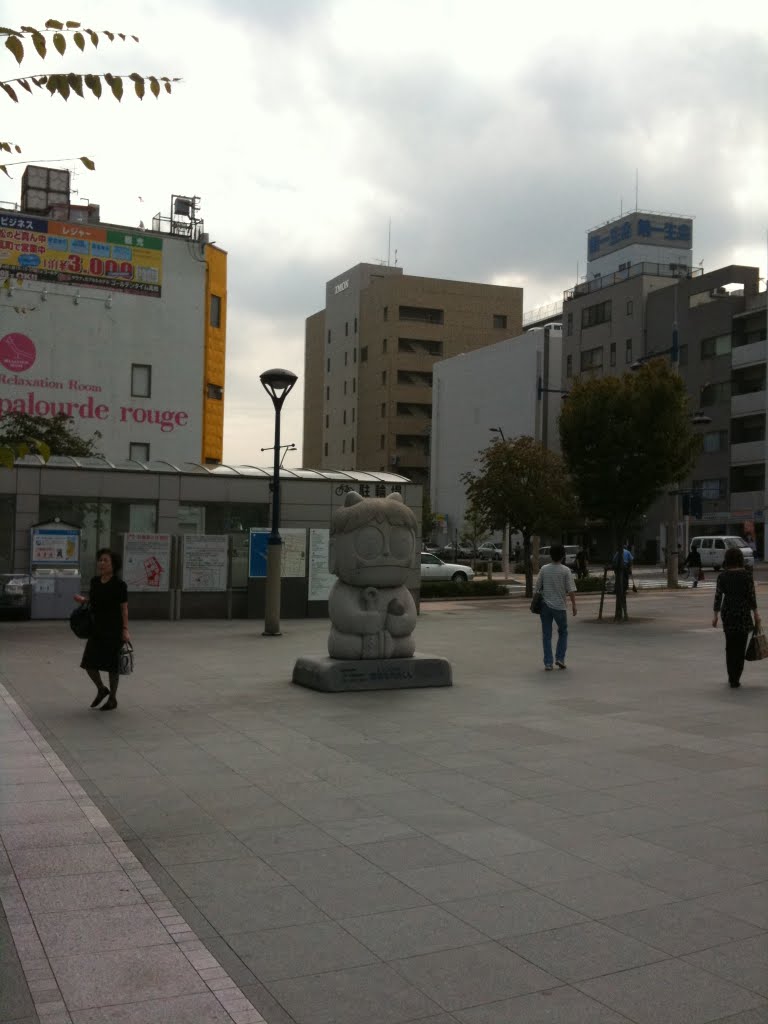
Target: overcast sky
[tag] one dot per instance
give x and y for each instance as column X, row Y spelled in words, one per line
column 492, row 134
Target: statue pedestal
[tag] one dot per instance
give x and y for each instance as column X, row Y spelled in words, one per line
column 336, row 675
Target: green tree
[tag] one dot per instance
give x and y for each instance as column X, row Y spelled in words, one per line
column 523, row 483
column 20, row 434
column 624, row 440
column 428, row 519
column 476, row 527
column 65, row 84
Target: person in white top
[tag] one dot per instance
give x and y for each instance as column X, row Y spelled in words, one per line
column 555, row 583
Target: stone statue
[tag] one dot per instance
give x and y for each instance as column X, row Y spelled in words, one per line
column 372, row 548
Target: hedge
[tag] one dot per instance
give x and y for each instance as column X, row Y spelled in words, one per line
column 474, row 588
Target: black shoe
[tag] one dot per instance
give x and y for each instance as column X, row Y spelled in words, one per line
column 103, row 692
column 733, row 684
column 110, row 705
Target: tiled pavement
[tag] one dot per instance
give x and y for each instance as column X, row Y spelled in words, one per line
column 587, row 847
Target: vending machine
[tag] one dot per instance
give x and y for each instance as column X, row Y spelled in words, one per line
column 55, row 569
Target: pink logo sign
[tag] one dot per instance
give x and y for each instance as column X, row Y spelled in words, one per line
column 17, row 352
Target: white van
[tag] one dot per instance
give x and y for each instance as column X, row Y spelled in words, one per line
column 712, row 550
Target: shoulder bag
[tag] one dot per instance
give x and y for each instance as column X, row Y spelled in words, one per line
column 81, row 621
column 537, row 602
column 757, row 648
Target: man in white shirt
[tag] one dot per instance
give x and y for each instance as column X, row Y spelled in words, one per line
column 555, row 583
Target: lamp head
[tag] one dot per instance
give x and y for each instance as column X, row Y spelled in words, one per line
column 277, row 383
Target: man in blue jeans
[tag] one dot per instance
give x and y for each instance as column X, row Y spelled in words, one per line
column 555, row 584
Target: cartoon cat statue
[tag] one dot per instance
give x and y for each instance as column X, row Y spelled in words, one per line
column 372, row 547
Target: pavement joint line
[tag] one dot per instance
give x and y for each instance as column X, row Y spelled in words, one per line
column 37, row 969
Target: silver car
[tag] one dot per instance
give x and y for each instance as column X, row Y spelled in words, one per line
column 434, row 568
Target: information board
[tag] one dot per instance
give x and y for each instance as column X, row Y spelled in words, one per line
column 320, row 578
column 204, row 565
column 146, row 561
column 55, row 546
column 294, row 553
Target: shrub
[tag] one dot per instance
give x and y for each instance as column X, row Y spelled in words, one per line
column 592, row 584
column 474, row 588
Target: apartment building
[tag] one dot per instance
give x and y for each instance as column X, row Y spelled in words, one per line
column 369, row 361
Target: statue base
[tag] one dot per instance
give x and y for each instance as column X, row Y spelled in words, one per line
column 337, row 675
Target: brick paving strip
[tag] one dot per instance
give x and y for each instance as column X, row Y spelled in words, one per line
column 169, row 965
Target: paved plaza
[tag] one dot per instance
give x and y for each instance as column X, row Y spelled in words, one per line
column 578, row 847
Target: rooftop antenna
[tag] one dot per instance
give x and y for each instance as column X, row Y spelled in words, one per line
column 389, row 241
column 637, row 186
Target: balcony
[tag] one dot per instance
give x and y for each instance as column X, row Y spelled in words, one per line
column 747, row 503
column 748, row 452
column 749, row 355
column 743, row 405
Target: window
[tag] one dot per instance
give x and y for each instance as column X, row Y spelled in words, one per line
column 628, row 350
column 383, row 409
column 592, row 359
column 329, row 336
column 346, row 328
column 355, row 325
column 384, row 345
column 600, row 313
column 328, row 364
column 138, row 452
column 569, row 366
column 353, row 415
column 344, row 417
column 748, row 428
column 383, row 376
column 749, row 379
column 682, row 355
column 710, row 490
column 354, row 355
column 613, row 353
column 415, row 346
column 345, row 387
column 343, row 447
column 141, row 380
column 748, row 478
column 215, row 391
column 386, row 313
column 364, row 354
column 715, row 441
column 422, row 314
column 381, row 441
column 352, row 445
column 215, row 311
column 499, row 320
column 569, row 324
column 326, row 419
column 720, row 345
column 630, row 307
column 711, row 394
column 346, row 354
column 325, row 448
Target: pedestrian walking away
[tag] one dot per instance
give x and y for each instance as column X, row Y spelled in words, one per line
column 556, row 585
column 108, row 597
column 736, row 603
column 693, row 563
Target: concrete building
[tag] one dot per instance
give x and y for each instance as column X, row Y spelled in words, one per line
column 369, row 362
column 122, row 329
column 513, row 386
column 628, row 308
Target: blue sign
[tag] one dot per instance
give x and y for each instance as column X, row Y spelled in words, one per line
column 638, row 227
column 257, row 553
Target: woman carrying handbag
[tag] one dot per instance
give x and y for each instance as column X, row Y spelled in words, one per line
column 736, row 603
column 108, row 597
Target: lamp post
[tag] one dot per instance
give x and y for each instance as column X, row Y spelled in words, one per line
column 277, row 384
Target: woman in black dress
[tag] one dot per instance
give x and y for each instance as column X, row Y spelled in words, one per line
column 735, row 600
column 109, row 603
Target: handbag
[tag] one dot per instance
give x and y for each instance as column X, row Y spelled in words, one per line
column 537, row 602
column 125, row 661
column 81, row 621
column 757, row 648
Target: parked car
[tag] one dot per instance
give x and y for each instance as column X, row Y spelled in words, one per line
column 712, row 550
column 490, row 551
column 457, row 551
column 434, row 568
column 571, row 550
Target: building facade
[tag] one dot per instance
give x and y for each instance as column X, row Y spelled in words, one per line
column 513, row 387
column 369, row 363
column 123, row 330
column 635, row 307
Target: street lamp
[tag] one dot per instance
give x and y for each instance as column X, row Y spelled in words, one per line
column 277, row 384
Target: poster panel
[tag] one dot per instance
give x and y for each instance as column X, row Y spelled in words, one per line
column 294, row 552
column 55, row 546
column 320, row 578
column 147, row 561
column 204, row 563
